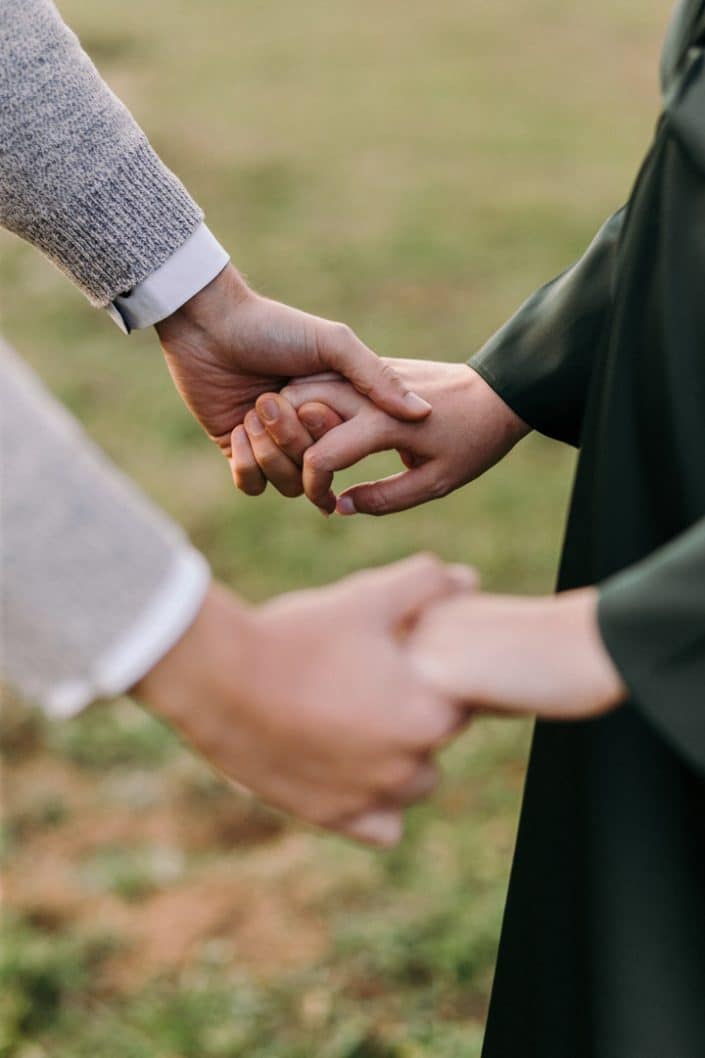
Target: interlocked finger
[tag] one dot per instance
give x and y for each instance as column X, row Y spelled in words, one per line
column 246, row 473
column 273, row 464
column 284, row 426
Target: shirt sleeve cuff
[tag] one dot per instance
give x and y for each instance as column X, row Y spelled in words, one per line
column 191, row 268
column 155, row 631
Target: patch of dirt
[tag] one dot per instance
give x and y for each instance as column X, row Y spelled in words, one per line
column 244, row 882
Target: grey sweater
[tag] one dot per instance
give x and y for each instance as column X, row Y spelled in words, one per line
column 95, row 584
column 77, row 175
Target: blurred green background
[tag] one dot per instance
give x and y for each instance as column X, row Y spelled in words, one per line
column 416, row 170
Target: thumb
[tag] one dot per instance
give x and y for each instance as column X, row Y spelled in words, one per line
column 396, row 493
column 341, row 350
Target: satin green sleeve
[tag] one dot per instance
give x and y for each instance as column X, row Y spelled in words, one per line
column 541, row 360
column 652, row 620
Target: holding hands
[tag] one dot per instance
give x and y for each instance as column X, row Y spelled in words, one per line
column 541, row 656
column 331, row 703
column 310, row 700
column 471, row 429
column 228, row 345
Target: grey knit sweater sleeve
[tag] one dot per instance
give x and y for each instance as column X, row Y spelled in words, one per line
column 78, row 178
column 96, row 585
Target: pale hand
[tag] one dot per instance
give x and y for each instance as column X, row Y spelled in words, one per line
column 540, row 656
column 228, row 345
column 310, row 701
column 471, row 428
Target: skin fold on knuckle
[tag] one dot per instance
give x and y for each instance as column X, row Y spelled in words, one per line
column 372, row 501
column 247, row 479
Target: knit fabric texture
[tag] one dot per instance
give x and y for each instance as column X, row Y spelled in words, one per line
column 78, row 178
column 84, row 558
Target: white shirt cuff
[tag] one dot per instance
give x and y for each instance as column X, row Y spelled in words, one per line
column 191, row 268
column 156, row 630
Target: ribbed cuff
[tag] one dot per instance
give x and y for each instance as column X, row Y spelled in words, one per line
column 155, row 631
column 115, row 234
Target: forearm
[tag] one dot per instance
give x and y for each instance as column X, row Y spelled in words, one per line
column 190, row 680
column 540, row 656
column 78, row 178
column 503, row 426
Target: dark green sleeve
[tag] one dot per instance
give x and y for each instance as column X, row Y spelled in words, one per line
column 652, row 620
column 541, row 361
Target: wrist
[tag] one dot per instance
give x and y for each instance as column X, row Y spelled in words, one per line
column 206, row 308
column 576, row 626
column 509, row 427
column 206, row 666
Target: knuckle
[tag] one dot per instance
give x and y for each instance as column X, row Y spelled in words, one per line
column 388, row 371
column 376, row 503
column 439, row 488
column 315, row 461
column 343, row 333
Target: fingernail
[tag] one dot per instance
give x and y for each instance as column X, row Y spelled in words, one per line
column 254, row 424
column 269, row 410
column 328, row 507
column 346, row 506
column 416, row 403
column 379, row 828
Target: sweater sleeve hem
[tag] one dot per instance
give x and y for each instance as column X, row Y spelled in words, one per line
column 163, row 621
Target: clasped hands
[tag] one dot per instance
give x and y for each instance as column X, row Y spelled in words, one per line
column 503, row 654
column 331, row 703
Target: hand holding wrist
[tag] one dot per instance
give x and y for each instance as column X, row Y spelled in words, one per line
column 277, row 699
column 470, row 429
column 542, row 656
column 228, row 345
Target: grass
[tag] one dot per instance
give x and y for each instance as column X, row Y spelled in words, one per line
column 415, row 170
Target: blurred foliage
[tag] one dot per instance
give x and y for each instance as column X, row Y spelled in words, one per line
column 415, row 170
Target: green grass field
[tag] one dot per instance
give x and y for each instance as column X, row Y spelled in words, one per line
column 415, row 170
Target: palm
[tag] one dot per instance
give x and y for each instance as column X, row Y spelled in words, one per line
column 219, row 396
column 221, row 373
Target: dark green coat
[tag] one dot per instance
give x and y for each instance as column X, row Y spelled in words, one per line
column 603, row 945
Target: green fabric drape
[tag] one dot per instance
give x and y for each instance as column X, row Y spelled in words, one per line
column 602, row 953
